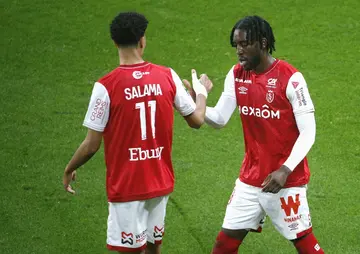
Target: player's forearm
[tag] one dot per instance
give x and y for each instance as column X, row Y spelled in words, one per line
column 218, row 116
column 303, row 144
column 81, row 156
column 199, row 113
column 213, row 118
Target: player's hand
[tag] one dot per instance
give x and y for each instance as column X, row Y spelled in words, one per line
column 197, row 86
column 205, row 81
column 276, row 180
column 67, row 178
column 190, row 90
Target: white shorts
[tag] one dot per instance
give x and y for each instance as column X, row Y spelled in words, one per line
column 288, row 210
column 132, row 224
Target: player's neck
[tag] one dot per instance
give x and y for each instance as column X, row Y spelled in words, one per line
column 265, row 63
column 130, row 56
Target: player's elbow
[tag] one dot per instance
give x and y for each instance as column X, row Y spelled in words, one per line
column 196, row 124
column 215, row 125
column 196, row 119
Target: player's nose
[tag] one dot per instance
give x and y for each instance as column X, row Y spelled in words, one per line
column 239, row 50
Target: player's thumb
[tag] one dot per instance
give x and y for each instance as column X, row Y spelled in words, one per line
column 194, row 75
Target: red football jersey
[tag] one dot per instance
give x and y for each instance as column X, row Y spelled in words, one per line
column 267, row 104
column 133, row 107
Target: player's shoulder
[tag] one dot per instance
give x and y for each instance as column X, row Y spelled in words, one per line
column 236, row 68
column 110, row 77
column 286, row 68
column 161, row 69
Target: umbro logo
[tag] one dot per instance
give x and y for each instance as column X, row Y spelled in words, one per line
column 242, row 90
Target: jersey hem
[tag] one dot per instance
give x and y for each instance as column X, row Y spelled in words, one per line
column 93, row 127
column 188, row 112
column 287, row 185
column 140, row 196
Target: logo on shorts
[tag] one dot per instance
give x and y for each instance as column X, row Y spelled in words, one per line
column 291, row 205
column 127, row 238
column 141, row 237
column 158, row 232
column 293, row 226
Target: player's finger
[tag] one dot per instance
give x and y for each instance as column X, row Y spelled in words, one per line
column 269, row 186
column 276, row 189
column 266, row 181
column 70, row 190
column 193, row 74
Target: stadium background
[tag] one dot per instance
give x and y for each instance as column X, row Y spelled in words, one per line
column 53, row 51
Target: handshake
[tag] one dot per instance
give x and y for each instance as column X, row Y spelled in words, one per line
column 199, row 86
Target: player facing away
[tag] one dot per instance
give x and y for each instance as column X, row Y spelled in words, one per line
column 131, row 108
column 278, row 123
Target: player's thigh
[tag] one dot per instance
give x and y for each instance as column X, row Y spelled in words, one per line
column 244, row 210
column 289, row 211
column 127, row 223
column 156, row 220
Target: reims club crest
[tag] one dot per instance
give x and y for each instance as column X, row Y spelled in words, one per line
column 270, row 96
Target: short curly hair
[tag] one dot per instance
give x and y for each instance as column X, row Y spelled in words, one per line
column 127, row 28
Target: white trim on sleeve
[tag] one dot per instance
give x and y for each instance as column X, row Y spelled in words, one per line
column 183, row 101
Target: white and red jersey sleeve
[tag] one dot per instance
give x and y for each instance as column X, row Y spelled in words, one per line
column 298, row 95
column 99, row 108
column 183, row 103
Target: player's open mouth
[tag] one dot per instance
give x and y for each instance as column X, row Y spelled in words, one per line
column 242, row 60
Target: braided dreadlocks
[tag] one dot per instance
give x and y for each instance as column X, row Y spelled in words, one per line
column 256, row 29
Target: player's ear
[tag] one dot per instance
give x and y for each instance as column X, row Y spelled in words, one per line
column 263, row 43
column 142, row 42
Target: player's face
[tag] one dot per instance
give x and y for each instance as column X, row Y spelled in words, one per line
column 248, row 54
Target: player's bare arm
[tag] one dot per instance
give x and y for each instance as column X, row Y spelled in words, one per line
column 86, row 150
column 197, row 118
column 276, row 180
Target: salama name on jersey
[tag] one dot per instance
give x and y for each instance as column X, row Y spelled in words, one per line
column 142, row 91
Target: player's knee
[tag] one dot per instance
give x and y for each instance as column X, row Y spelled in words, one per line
column 238, row 234
column 153, row 248
column 228, row 241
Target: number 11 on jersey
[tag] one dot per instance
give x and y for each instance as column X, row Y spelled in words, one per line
column 141, row 106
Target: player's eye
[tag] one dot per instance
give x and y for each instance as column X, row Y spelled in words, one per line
column 243, row 44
